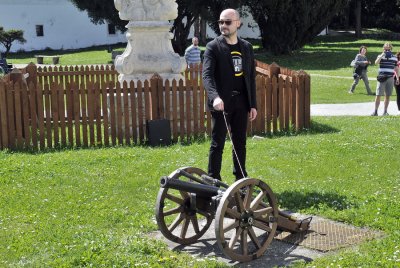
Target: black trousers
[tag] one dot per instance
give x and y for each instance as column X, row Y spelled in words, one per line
column 236, row 114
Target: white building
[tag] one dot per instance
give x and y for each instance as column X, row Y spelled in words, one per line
column 58, row 24
column 55, row 24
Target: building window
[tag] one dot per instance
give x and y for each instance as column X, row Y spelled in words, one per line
column 111, row 29
column 39, row 30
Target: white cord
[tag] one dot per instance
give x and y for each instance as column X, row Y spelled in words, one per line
column 233, row 146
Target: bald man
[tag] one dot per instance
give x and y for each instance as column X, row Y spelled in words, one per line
column 229, row 79
column 192, row 53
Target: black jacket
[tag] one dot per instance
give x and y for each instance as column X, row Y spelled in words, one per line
column 218, row 71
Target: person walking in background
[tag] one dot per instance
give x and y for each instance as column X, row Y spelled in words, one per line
column 229, row 80
column 192, row 53
column 387, row 66
column 397, row 82
column 360, row 70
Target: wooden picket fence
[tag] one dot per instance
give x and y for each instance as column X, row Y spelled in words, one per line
column 86, row 106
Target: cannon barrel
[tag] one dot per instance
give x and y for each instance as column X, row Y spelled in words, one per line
column 197, row 188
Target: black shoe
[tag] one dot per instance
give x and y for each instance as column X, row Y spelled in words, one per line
column 374, row 114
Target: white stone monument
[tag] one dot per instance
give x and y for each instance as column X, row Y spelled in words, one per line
column 149, row 49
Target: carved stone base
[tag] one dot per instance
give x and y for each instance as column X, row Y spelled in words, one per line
column 149, row 51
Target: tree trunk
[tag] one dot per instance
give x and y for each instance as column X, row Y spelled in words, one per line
column 357, row 12
column 181, row 33
column 196, row 26
column 203, row 31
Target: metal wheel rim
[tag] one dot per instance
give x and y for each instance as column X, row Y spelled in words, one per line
column 244, row 232
column 178, row 231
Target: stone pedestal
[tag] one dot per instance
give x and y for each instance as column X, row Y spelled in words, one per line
column 149, row 48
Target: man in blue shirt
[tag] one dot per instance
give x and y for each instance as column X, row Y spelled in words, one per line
column 192, row 53
column 387, row 68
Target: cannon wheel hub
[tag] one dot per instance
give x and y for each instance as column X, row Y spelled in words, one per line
column 190, row 205
column 246, row 219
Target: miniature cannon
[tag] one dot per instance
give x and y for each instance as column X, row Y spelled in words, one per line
column 246, row 213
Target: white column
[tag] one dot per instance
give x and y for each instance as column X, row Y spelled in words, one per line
column 149, row 49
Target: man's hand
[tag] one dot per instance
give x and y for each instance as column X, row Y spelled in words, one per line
column 252, row 114
column 218, row 104
column 378, row 59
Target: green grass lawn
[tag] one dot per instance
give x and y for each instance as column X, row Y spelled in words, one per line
column 326, row 56
column 94, row 207
column 93, row 55
column 331, row 56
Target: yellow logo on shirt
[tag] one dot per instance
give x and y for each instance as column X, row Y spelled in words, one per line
column 237, row 63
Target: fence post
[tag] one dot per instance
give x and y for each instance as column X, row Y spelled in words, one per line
column 3, row 116
column 274, row 70
column 156, row 85
column 31, row 69
column 307, row 99
column 300, row 102
column 16, row 76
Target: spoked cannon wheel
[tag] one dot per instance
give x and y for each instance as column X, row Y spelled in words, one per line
column 246, row 220
column 181, row 217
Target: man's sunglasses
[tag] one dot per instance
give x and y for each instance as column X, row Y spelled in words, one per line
column 227, row 22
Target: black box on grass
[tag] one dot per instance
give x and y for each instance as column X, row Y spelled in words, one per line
column 158, row 132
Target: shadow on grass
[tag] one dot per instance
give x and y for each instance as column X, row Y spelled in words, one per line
column 316, row 60
column 297, row 200
column 340, row 50
column 315, row 128
column 144, row 144
column 319, row 128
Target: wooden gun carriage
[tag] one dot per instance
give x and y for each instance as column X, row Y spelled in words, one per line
column 246, row 213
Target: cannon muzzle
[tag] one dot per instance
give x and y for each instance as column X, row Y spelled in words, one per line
column 197, row 188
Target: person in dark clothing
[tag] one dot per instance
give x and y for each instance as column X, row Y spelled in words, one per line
column 229, row 80
column 397, row 83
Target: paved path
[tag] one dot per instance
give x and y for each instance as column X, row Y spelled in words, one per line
column 357, row 109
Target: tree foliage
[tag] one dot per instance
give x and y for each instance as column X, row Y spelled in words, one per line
column 188, row 12
column 287, row 25
column 214, row 9
column 383, row 14
column 8, row 37
column 101, row 11
column 104, row 11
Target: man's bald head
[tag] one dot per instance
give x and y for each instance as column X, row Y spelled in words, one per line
column 231, row 13
column 229, row 23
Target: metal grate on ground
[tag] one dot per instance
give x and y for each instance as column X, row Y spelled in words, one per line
column 326, row 235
